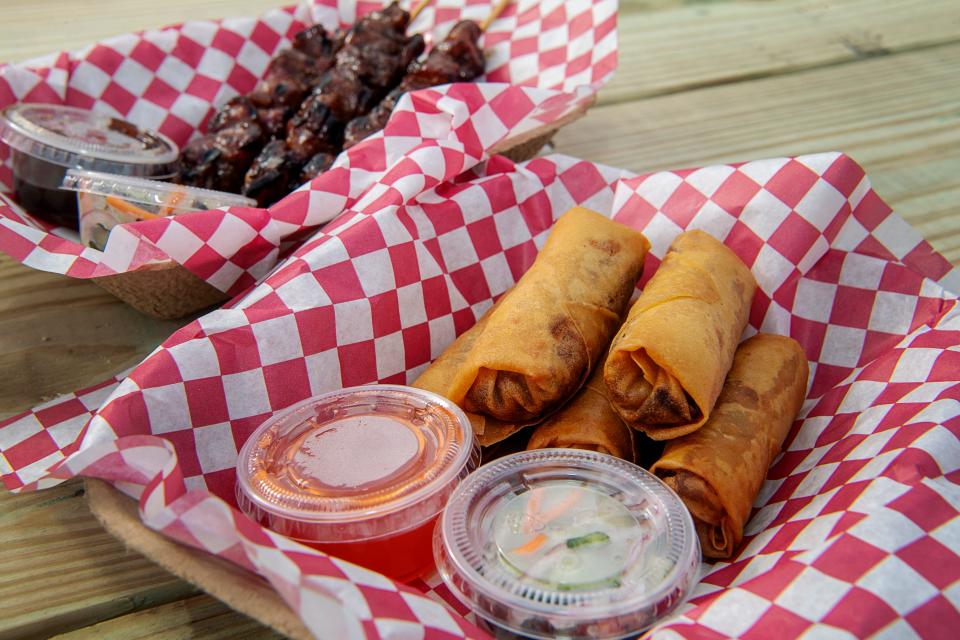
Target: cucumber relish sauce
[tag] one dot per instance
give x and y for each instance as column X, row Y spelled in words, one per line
column 568, row 536
column 567, row 543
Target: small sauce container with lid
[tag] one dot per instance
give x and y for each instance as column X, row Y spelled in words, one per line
column 46, row 139
column 361, row 473
column 105, row 200
column 565, row 543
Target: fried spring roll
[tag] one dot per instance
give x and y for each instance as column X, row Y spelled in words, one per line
column 718, row 470
column 536, row 347
column 669, row 359
column 437, row 376
column 587, row 422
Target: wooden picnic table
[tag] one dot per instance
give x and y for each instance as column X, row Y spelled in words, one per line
column 699, row 82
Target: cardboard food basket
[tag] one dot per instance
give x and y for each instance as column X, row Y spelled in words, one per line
column 854, row 532
column 171, row 80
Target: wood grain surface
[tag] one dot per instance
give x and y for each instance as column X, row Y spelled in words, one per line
column 203, row 616
column 699, row 81
column 61, row 571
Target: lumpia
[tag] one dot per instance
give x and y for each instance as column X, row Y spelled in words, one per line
column 669, row 359
column 718, row 470
column 540, row 342
column 587, row 422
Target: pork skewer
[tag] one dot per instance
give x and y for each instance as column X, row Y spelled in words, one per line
column 284, row 164
column 240, row 128
column 458, row 58
column 373, row 58
column 417, row 9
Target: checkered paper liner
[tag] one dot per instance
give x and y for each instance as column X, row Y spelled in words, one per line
column 555, row 54
column 855, row 530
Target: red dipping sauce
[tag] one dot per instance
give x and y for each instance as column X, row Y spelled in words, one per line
column 361, row 473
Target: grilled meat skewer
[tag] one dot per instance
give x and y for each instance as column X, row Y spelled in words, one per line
column 372, row 59
column 458, row 58
column 240, row 128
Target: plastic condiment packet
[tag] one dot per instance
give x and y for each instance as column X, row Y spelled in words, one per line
column 106, row 200
column 861, row 499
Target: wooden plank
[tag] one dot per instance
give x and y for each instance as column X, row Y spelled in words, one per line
column 709, row 43
column 198, row 618
column 896, row 115
column 57, row 333
column 62, row 571
column 39, row 27
column 227, row 582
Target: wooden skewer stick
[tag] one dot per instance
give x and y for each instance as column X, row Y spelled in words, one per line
column 497, row 10
column 417, row 9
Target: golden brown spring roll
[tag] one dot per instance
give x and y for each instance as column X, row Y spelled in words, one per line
column 587, row 422
column 669, row 359
column 536, row 347
column 437, row 377
column 718, row 470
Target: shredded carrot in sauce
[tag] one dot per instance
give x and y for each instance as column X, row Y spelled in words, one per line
column 532, row 545
column 532, row 511
column 126, row 207
column 558, row 509
column 171, row 202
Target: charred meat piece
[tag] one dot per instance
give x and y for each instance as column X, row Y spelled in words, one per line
column 240, row 128
column 220, row 160
column 315, row 166
column 197, row 162
column 317, row 44
column 458, row 58
column 239, row 145
column 365, row 125
column 293, row 72
column 374, row 55
column 273, row 174
column 236, row 110
column 378, row 59
column 316, row 128
column 274, row 120
column 287, row 81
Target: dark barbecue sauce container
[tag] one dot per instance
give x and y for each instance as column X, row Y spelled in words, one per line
column 45, row 140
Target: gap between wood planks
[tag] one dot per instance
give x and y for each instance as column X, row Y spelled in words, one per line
column 760, row 75
column 202, row 615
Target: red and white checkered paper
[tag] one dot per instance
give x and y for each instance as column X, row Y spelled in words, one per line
column 856, row 529
column 555, row 54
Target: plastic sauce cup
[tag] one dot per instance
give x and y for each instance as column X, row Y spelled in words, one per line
column 361, row 473
column 46, row 139
column 105, row 200
column 567, row 543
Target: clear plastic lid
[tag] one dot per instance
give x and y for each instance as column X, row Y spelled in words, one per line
column 355, row 464
column 567, row 543
column 151, row 192
column 72, row 137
